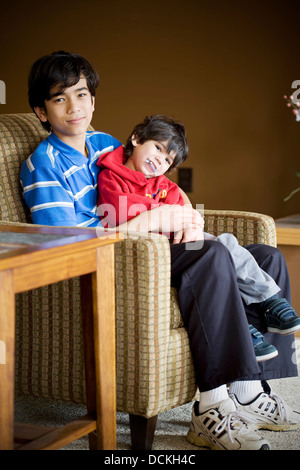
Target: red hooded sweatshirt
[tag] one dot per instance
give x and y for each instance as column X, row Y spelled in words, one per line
column 124, row 193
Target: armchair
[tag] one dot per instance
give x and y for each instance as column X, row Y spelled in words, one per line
column 154, row 364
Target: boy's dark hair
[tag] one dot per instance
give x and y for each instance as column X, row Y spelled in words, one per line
column 59, row 68
column 161, row 129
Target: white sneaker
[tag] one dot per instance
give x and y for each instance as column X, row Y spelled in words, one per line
column 270, row 412
column 224, row 428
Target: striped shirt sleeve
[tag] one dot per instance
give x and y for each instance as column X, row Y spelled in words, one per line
column 47, row 196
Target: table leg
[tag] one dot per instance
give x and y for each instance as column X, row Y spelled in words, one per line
column 7, row 360
column 98, row 303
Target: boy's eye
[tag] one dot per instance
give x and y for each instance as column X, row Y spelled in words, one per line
column 158, row 147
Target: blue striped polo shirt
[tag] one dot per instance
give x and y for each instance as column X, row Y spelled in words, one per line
column 60, row 184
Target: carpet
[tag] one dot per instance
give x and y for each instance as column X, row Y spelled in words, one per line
column 172, row 426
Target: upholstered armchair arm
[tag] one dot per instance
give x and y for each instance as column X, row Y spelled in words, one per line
column 143, row 323
column 248, row 227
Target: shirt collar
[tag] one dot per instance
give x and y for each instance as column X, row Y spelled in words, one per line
column 72, row 154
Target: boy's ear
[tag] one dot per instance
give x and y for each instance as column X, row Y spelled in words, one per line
column 93, row 103
column 134, row 140
column 41, row 113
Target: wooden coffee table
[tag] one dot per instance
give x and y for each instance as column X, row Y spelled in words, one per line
column 31, row 257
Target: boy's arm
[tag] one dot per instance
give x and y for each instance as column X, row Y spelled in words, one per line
column 47, row 197
column 166, row 219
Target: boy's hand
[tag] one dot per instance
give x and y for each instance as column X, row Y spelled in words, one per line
column 191, row 234
column 168, row 219
column 175, row 218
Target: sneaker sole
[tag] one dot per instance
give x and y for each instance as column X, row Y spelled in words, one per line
column 202, row 441
column 266, row 357
column 277, row 427
column 288, row 331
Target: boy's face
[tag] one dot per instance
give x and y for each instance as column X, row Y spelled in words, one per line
column 151, row 158
column 69, row 112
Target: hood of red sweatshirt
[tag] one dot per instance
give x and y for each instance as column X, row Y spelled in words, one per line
column 115, row 160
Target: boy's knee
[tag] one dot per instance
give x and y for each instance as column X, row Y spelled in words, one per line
column 267, row 251
column 218, row 251
column 275, row 256
column 267, row 255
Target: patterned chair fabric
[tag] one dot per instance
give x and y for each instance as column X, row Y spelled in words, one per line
column 154, row 365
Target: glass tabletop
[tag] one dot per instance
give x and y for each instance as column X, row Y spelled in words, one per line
column 15, row 240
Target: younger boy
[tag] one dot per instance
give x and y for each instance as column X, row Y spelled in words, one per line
column 132, row 180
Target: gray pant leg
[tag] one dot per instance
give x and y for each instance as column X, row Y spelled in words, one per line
column 255, row 285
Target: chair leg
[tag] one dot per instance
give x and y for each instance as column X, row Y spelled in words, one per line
column 142, row 432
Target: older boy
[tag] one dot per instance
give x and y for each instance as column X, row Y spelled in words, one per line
column 60, row 187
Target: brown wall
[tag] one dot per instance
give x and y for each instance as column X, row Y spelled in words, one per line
column 222, row 67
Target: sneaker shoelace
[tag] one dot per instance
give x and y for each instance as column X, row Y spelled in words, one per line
column 234, row 421
column 280, row 406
